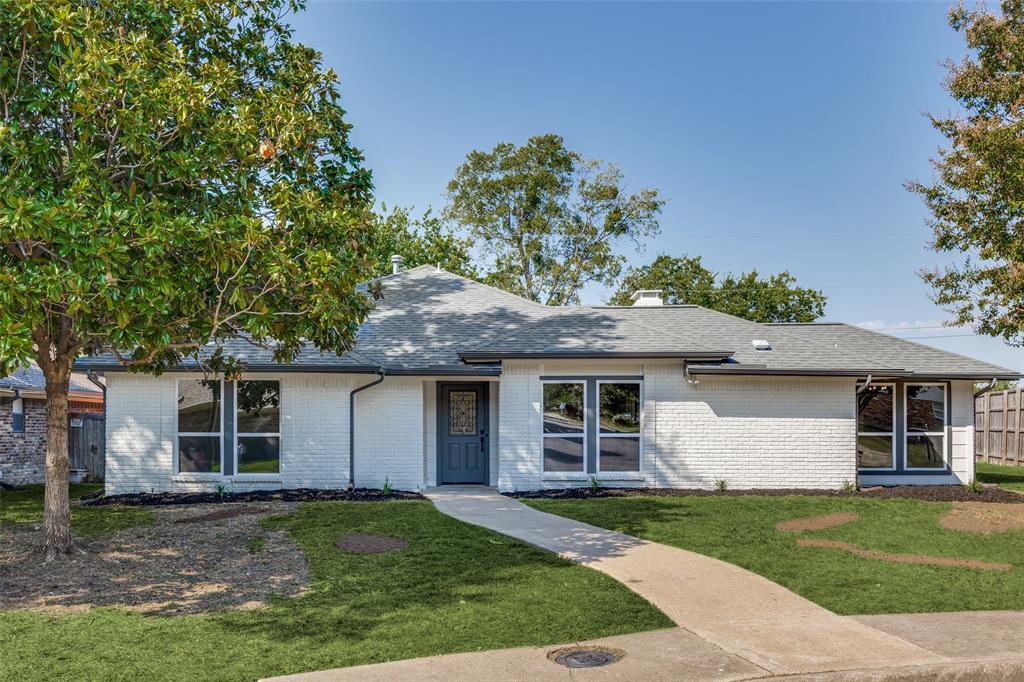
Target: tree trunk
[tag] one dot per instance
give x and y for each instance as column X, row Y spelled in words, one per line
column 56, row 503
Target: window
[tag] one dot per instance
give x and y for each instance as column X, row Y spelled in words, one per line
column 875, row 427
column 926, row 426
column 618, row 437
column 18, row 415
column 199, row 426
column 462, row 413
column 564, row 433
column 258, row 425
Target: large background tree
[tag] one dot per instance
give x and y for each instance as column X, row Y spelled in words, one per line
column 774, row 298
column 977, row 199
column 425, row 240
column 175, row 172
column 549, row 220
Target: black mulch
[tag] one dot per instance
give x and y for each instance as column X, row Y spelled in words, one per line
column 296, row 495
column 931, row 493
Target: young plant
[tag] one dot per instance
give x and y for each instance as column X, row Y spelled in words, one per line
column 975, row 486
column 721, row 485
column 387, row 486
column 849, row 487
column 594, row 483
column 222, row 491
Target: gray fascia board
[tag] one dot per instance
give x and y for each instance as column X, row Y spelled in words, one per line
column 481, row 357
column 752, row 371
column 261, row 367
column 966, row 376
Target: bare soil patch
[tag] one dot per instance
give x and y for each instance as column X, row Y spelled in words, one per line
column 369, row 543
column 812, row 523
column 904, row 558
column 178, row 565
column 984, row 518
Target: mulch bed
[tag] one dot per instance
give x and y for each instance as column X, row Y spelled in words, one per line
column 369, row 543
column 931, row 493
column 191, row 560
column 921, row 559
column 295, row 495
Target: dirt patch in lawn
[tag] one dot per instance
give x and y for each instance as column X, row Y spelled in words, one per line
column 984, row 518
column 922, row 559
column 193, row 559
column 811, row 523
column 369, row 543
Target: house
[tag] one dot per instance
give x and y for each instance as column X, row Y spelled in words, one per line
column 453, row 381
column 23, row 421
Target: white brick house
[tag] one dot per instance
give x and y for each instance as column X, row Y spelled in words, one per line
column 455, row 382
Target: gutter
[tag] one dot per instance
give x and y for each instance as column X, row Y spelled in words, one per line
column 352, row 425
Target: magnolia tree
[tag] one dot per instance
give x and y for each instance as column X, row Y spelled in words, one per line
column 176, row 172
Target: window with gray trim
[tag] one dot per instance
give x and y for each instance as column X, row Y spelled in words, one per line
column 926, row 426
column 18, row 415
column 564, row 435
column 876, row 427
column 199, row 426
column 618, row 435
column 258, row 423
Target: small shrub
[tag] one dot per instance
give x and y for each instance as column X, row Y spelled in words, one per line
column 721, row 485
column 594, row 483
column 849, row 487
column 222, row 491
column 387, row 486
column 975, row 486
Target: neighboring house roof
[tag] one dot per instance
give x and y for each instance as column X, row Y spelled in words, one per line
column 30, row 382
column 429, row 321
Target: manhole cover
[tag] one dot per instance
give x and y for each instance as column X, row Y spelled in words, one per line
column 585, row 658
column 369, row 543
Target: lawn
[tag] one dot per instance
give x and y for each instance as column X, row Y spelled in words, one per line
column 455, row 588
column 1011, row 478
column 741, row 530
column 25, row 506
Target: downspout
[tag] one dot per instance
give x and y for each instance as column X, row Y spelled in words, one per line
column 91, row 376
column 867, row 382
column 352, row 426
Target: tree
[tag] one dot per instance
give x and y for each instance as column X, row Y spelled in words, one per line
column 977, row 200
column 419, row 241
column 175, row 174
column 774, row 298
column 549, row 219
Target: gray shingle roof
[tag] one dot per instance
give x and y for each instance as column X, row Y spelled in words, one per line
column 31, row 378
column 431, row 321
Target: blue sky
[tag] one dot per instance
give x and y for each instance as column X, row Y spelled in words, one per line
column 780, row 133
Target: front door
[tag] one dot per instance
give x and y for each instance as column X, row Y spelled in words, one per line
column 462, row 433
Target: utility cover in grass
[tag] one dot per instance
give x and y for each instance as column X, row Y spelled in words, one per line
column 369, row 543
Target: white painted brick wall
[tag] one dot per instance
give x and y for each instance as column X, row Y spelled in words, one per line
column 752, row 433
column 389, row 434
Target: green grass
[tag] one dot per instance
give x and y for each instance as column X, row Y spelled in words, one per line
column 1011, row 478
column 455, row 588
column 25, row 506
column 741, row 530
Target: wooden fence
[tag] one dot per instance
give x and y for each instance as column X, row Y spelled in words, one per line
column 87, row 444
column 998, row 427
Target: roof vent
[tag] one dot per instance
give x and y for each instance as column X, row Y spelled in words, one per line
column 396, row 264
column 647, row 297
column 761, row 344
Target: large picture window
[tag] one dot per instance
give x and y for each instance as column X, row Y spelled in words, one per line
column 199, row 426
column 258, row 425
column 618, row 435
column 926, row 426
column 876, row 418
column 564, row 436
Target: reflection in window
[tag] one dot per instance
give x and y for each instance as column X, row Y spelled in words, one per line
column 926, row 426
column 618, row 440
column 199, row 422
column 259, row 426
column 564, row 419
column 875, row 418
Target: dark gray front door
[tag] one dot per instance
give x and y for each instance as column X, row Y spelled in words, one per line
column 462, row 433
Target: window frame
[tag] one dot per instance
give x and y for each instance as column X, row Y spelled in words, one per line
column 581, row 475
column 891, row 434
column 280, row 419
column 944, row 433
column 639, row 435
column 18, row 415
column 178, row 434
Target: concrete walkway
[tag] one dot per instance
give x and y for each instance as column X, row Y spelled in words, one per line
column 733, row 624
column 729, row 607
